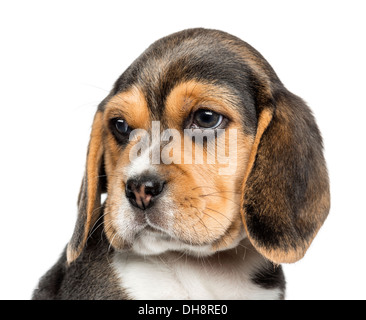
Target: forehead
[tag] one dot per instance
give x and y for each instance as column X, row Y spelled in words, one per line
column 184, row 98
column 206, row 57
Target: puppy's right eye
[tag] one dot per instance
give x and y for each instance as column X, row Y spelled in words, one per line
column 120, row 128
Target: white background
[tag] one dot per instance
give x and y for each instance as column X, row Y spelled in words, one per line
column 58, row 60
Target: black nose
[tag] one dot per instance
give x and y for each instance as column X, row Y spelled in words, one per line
column 142, row 191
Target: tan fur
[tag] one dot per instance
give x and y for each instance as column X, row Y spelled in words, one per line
column 93, row 207
column 131, row 105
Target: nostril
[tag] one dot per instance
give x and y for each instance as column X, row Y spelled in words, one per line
column 130, row 187
column 154, row 188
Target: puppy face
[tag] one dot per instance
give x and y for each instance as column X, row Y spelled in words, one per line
column 169, row 191
column 197, row 208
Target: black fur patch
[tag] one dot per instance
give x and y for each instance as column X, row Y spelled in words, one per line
column 270, row 277
column 89, row 277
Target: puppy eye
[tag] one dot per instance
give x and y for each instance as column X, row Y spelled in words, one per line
column 206, row 119
column 121, row 126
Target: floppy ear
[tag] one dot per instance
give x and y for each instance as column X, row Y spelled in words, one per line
column 89, row 201
column 285, row 195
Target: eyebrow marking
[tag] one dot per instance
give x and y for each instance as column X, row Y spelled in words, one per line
column 130, row 105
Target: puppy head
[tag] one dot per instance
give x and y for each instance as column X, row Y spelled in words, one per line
column 199, row 145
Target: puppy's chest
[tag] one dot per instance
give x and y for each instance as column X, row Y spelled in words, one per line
column 176, row 277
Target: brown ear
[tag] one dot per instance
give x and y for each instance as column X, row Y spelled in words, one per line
column 286, row 188
column 89, row 202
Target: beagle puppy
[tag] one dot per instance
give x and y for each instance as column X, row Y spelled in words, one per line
column 172, row 227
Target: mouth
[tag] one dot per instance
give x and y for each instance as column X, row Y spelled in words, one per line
column 156, row 231
column 152, row 240
column 153, row 219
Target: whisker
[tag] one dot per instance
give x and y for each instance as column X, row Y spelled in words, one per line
column 216, row 195
column 226, row 191
column 218, row 191
column 218, row 213
column 200, row 220
column 94, row 228
column 110, row 243
column 223, row 227
column 94, row 86
column 204, row 187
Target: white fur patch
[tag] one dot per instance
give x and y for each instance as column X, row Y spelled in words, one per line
column 145, row 153
column 139, row 164
column 154, row 243
column 225, row 275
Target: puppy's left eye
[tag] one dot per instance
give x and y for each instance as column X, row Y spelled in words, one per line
column 206, row 119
